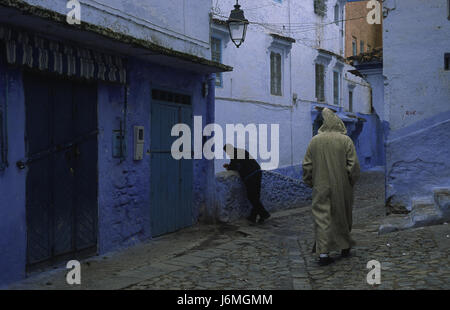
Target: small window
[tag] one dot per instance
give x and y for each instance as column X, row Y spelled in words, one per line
column 336, row 13
column 447, row 61
column 320, row 82
column 216, row 55
column 350, row 101
column 361, row 47
column 336, row 87
column 275, row 74
column 369, row 48
column 354, row 47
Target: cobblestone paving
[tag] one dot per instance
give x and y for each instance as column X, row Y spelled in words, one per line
column 274, row 255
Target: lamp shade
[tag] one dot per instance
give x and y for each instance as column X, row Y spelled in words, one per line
column 237, row 25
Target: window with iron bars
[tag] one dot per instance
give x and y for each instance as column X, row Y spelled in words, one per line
column 320, row 82
column 275, row 74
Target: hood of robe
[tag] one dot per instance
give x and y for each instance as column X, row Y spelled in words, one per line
column 332, row 123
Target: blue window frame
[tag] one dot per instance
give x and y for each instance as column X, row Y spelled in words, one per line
column 216, row 55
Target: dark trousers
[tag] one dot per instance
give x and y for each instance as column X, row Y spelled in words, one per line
column 253, row 186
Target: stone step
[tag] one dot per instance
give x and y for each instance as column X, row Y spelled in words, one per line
column 395, row 223
column 425, row 211
column 420, row 203
column 426, row 215
column 442, row 200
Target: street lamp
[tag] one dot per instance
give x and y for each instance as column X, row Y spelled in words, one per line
column 237, row 25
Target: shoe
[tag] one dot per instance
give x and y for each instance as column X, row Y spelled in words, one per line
column 345, row 252
column 263, row 218
column 251, row 219
column 323, row 261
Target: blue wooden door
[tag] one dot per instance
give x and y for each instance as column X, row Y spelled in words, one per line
column 171, row 180
column 61, row 186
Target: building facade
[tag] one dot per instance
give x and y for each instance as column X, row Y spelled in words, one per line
column 417, row 98
column 360, row 36
column 86, row 114
column 290, row 66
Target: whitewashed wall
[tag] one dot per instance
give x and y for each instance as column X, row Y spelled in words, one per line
column 245, row 95
column 416, row 37
column 178, row 24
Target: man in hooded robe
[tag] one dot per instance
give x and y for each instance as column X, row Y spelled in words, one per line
column 331, row 168
column 250, row 172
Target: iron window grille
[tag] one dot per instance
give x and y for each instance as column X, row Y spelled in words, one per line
column 275, row 74
column 320, row 82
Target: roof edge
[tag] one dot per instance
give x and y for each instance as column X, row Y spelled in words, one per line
column 59, row 18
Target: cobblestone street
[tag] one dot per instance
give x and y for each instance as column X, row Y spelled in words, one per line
column 274, row 255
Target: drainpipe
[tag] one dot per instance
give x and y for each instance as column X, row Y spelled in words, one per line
column 210, row 196
column 290, row 85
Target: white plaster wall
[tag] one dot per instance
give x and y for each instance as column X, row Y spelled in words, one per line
column 182, row 25
column 245, row 96
column 376, row 79
column 416, row 36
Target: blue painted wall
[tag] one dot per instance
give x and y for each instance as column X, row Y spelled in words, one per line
column 417, row 159
column 12, row 182
column 123, row 187
column 417, row 98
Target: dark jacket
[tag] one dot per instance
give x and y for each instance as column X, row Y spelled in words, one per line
column 245, row 167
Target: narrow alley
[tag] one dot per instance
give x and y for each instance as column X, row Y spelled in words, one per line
column 271, row 256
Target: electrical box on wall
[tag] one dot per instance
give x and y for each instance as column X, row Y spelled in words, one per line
column 138, row 142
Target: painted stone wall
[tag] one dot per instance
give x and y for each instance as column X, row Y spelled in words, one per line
column 124, row 195
column 418, row 98
column 123, row 186
column 177, row 24
column 12, row 181
column 418, row 161
column 245, row 97
column 278, row 192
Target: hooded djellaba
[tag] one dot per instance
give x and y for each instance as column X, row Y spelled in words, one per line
column 331, row 168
